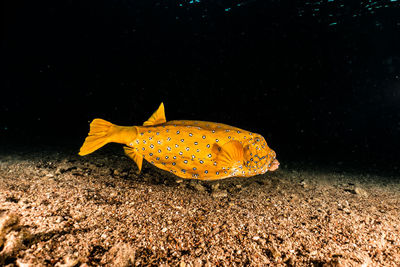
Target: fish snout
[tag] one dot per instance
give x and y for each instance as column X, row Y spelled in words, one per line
column 274, row 165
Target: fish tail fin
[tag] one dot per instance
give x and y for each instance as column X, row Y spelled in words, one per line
column 98, row 136
column 103, row 132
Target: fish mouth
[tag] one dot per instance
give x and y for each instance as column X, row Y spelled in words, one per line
column 274, row 165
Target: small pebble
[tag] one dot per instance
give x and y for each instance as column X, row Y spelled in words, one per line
column 361, row 192
column 219, row 194
column 199, row 187
column 215, row 186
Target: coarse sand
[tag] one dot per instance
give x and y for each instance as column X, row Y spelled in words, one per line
column 59, row 209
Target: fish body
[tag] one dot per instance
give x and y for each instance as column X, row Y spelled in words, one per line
column 189, row 149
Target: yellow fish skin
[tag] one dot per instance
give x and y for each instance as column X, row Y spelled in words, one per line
column 189, row 149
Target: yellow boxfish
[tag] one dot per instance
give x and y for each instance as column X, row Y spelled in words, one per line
column 189, row 149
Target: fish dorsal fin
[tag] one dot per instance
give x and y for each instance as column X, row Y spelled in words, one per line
column 158, row 117
column 229, row 154
column 138, row 158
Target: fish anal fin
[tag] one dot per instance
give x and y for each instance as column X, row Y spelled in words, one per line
column 158, row 117
column 229, row 154
column 133, row 154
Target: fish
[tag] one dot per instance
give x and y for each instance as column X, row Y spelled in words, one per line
column 188, row 149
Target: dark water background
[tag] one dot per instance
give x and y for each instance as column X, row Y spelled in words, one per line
column 319, row 79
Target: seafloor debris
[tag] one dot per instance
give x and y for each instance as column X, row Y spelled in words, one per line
column 12, row 237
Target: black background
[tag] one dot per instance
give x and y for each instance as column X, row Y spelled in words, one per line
column 321, row 86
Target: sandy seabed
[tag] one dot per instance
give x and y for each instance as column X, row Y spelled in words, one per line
column 59, row 209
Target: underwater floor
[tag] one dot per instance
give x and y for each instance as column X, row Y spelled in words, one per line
column 57, row 208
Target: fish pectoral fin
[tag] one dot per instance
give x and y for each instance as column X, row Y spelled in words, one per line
column 138, row 158
column 229, row 154
column 158, row 117
column 246, row 153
